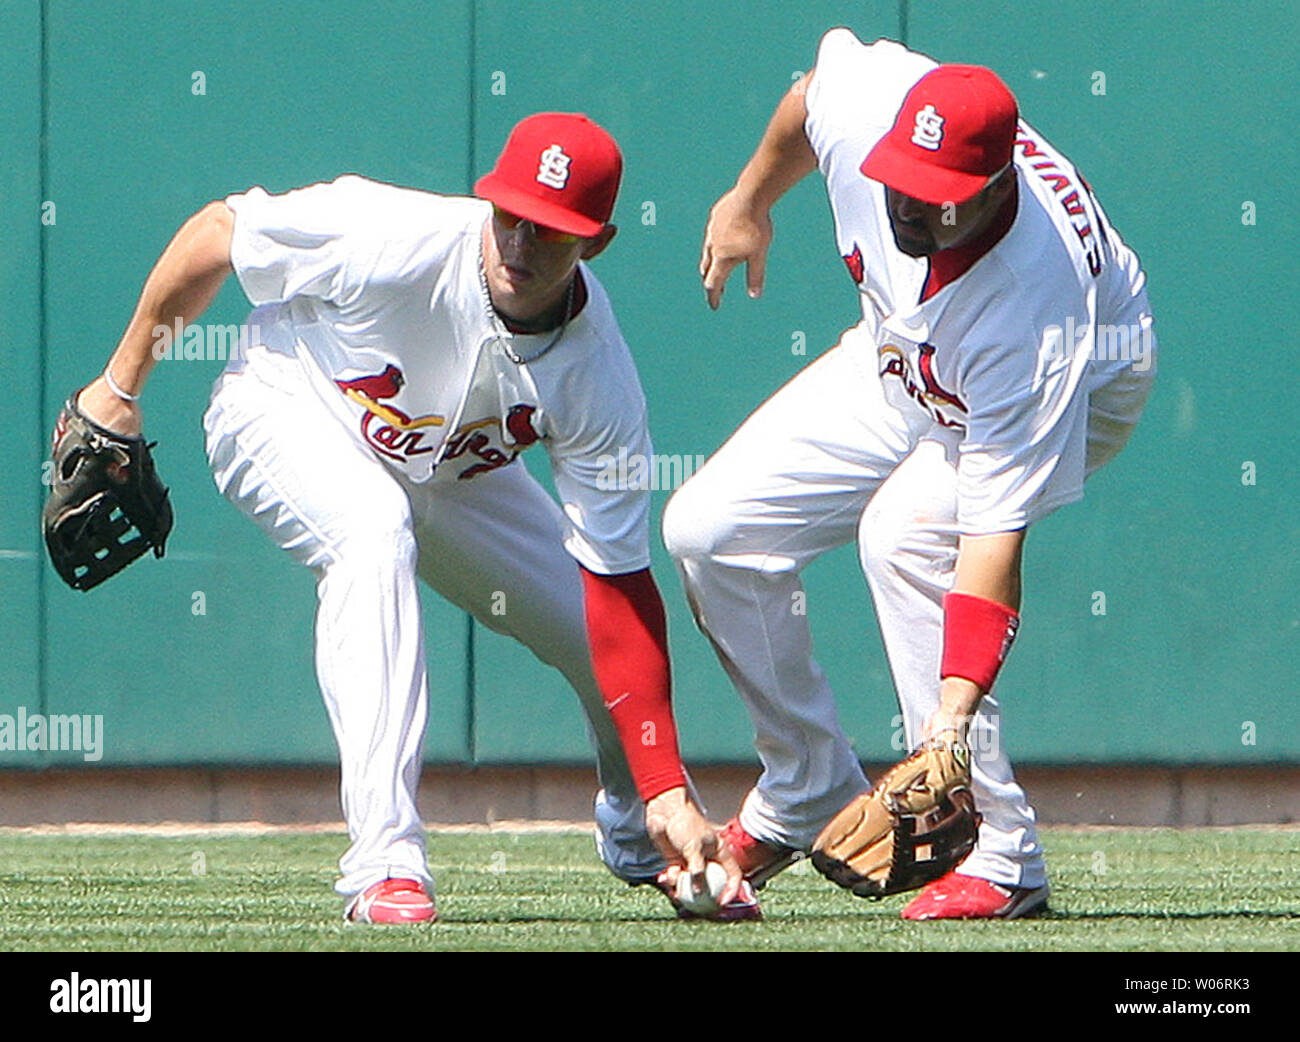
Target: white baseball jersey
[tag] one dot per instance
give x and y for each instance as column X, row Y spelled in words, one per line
column 379, row 291
column 1008, row 356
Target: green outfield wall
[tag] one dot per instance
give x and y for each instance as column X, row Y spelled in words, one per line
column 1160, row 616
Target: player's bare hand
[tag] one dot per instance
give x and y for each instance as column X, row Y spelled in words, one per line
column 688, row 842
column 100, row 404
column 958, row 700
column 942, row 727
column 737, row 232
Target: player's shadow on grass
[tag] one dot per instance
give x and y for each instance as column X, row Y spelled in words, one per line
column 1225, row 915
column 890, row 916
column 558, row 920
column 887, row 914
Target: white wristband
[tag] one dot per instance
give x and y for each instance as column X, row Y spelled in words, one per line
column 112, row 386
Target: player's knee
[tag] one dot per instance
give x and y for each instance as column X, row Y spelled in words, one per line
column 382, row 549
column 895, row 536
column 693, row 524
column 377, row 532
column 882, row 532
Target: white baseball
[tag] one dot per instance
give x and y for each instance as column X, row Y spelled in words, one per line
column 702, row 902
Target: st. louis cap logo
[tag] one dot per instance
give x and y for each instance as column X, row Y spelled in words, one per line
column 928, row 129
column 554, row 168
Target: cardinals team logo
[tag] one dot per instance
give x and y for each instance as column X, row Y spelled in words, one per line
column 853, row 261
column 553, row 170
column 925, row 363
column 519, row 425
column 928, row 129
column 481, row 444
column 387, row 429
column 928, row 394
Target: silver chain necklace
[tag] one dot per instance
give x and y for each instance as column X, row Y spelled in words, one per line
column 503, row 334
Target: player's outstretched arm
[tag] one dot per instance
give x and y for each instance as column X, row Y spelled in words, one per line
column 980, row 619
column 627, row 631
column 182, row 285
column 740, row 224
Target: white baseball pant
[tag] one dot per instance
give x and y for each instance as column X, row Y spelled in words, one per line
column 280, row 456
column 827, row 460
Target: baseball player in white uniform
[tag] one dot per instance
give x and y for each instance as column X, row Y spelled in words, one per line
column 411, row 346
column 983, row 384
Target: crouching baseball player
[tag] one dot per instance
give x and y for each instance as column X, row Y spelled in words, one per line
column 969, row 402
column 411, row 346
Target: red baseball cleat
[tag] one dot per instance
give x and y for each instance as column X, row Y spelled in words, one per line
column 393, row 901
column 758, row 860
column 955, row 896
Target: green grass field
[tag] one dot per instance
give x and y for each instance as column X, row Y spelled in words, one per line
column 1113, row 890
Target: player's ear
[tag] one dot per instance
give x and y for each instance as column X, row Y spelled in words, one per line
column 596, row 246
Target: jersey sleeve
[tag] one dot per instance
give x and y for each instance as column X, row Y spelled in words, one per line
column 857, row 90
column 1025, row 447
column 599, row 445
column 336, row 240
column 606, row 506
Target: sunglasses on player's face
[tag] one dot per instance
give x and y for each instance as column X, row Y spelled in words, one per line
column 541, row 232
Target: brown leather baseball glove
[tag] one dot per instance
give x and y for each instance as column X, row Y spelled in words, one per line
column 918, row 823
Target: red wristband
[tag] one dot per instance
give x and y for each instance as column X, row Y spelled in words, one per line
column 977, row 634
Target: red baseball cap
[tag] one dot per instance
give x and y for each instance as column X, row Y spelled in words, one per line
column 558, row 169
column 956, row 129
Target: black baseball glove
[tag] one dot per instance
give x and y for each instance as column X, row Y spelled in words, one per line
column 103, row 487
